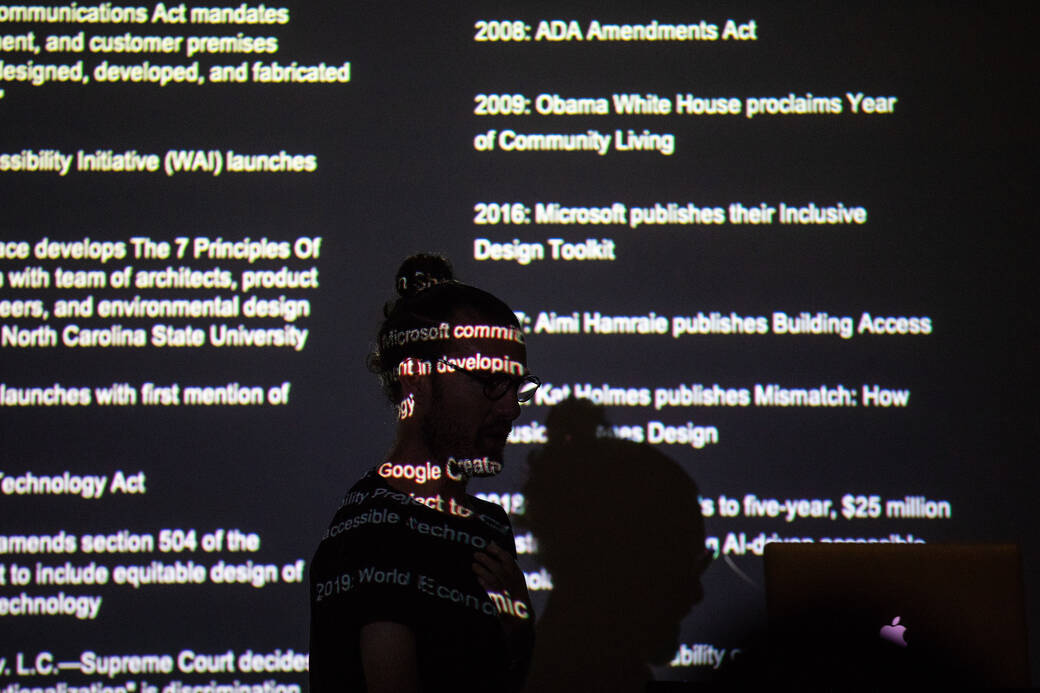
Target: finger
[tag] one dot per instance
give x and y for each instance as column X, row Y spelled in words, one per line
column 488, row 562
column 486, row 578
column 498, row 552
column 497, row 572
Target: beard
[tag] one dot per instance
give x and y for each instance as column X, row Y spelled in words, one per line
column 446, row 435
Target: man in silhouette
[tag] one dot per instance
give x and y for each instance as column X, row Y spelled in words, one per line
column 415, row 584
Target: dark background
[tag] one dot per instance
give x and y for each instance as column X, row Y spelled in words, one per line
column 949, row 235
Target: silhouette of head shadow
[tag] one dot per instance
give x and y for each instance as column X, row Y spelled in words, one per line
column 620, row 530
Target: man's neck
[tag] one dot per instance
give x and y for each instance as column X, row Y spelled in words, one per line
column 410, row 462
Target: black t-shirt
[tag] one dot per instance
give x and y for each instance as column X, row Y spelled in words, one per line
column 388, row 557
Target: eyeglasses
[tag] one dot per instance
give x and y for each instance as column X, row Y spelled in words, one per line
column 704, row 560
column 498, row 384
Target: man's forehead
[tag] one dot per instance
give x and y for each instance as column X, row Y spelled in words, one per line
column 488, row 347
column 466, row 327
column 471, row 349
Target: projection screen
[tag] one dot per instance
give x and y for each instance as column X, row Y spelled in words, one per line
column 784, row 245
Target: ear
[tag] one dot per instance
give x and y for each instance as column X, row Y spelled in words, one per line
column 414, row 376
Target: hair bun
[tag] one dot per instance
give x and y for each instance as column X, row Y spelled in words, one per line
column 421, row 271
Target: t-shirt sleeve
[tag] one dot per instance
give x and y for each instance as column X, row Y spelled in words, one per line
column 366, row 573
column 363, row 572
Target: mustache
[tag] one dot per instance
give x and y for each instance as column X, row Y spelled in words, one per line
column 503, row 425
column 497, row 429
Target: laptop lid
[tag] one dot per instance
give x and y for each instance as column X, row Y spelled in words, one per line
column 896, row 614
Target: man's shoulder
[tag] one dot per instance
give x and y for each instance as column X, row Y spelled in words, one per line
column 372, row 491
column 369, row 503
column 487, row 508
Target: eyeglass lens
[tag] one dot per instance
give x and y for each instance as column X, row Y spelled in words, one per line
column 525, row 388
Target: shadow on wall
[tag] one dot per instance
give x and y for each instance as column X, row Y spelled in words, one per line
column 619, row 526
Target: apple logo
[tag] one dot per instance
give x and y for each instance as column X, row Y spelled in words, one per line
column 894, row 633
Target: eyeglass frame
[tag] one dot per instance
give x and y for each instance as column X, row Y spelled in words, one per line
column 490, row 382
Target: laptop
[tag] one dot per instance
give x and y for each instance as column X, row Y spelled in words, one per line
column 850, row 615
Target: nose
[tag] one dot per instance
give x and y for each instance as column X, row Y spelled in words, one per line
column 507, row 406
